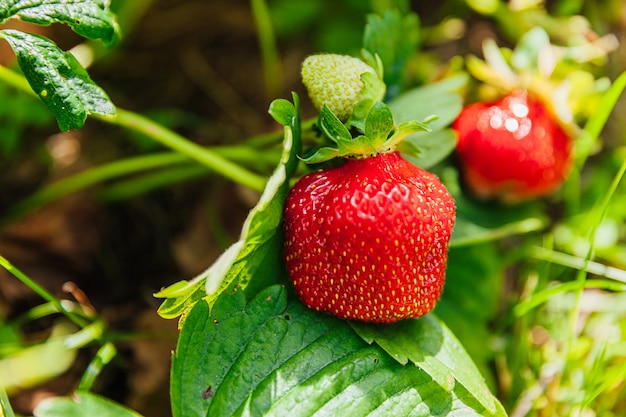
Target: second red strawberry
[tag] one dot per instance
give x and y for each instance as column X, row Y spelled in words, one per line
column 512, row 150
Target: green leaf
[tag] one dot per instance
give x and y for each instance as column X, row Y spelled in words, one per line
column 81, row 404
column 282, row 111
column 433, row 147
column 274, row 358
column 333, row 127
column 394, row 38
column 593, row 128
column 261, row 254
column 320, row 155
column 89, row 18
column 496, row 68
column 255, row 260
column 373, row 91
column 29, row 366
column 378, row 124
column 527, row 53
column 430, row 345
column 58, row 79
column 441, row 99
column 179, row 297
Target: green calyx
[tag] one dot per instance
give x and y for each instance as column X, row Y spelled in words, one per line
column 553, row 73
column 377, row 134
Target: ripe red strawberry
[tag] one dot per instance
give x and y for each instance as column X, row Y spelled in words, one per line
column 512, row 150
column 369, row 240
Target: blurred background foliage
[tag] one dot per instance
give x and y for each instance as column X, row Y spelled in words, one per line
column 209, row 71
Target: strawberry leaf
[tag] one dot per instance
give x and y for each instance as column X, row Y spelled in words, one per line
column 89, row 18
column 271, row 357
column 529, row 50
column 283, row 111
column 80, row 404
column 434, row 144
column 332, row 127
column 394, row 38
column 373, row 91
column 440, row 98
column 320, row 155
column 495, row 69
column 432, row 148
column 378, row 124
column 430, row 345
column 179, row 297
column 58, row 79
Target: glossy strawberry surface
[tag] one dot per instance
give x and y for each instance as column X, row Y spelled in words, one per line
column 513, row 149
column 369, row 240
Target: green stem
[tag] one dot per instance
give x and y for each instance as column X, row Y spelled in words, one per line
column 188, row 170
column 152, row 181
column 598, row 213
column 44, row 310
column 593, row 128
column 90, row 177
column 5, row 405
column 269, row 51
column 161, row 134
column 42, row 292
column 105, row 354
column 174, row 141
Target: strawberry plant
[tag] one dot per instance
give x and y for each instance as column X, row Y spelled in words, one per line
column 376, row 271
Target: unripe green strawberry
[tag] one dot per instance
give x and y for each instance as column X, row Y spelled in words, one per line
column 368, row 240
column 334, row 80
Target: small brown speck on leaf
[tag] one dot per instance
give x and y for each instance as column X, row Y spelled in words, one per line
column 207, row 393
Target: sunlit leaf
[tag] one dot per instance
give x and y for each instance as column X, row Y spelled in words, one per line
column 429, row 344
column 270, row 357
column 394, row 38
column 89, row 18
column 82, row 404
column 58, row 79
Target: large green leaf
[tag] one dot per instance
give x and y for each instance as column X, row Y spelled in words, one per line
column 81, row 404
column 89, row 18
column 439, row 99
column 431, row 346
column 58, row 79
column 274, row 358
column 256, row 259
column 432, row 148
